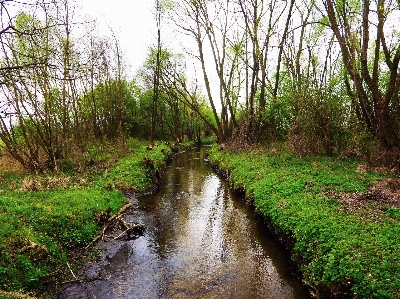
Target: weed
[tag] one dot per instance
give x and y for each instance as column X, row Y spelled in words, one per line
column 136, row 172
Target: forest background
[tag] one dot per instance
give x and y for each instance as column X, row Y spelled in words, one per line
column 306, row 78
column 322, row 76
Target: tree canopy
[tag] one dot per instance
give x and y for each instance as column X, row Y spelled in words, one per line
column 322, row 76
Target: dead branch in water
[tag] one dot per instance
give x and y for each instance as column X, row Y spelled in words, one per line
column 109, row 222
column 131, row 228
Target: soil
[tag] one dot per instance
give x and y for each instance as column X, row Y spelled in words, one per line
column 385, row 193
column 10, row 165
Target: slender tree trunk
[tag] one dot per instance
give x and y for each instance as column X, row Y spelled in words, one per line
column 157, row 74
column 377, row 116
column 278, row 67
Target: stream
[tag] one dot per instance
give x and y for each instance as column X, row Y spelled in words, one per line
column 201, row 241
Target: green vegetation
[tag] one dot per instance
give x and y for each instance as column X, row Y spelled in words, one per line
column 44, row 219
column 132, row 173
column 40, row 226
column 14, row 295
column 67, row 115
column 337, row 247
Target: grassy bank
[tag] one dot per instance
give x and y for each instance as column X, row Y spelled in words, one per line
column 45, row 217
column 343, row 232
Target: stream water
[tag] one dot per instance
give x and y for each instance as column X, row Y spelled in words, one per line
column 201, row 241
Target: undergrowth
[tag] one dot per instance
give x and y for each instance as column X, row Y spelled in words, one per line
column 350, row 253
column 46, row 216
column 38, row 228
column 136, row 172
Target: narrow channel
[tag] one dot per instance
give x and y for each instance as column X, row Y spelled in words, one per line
column 201, row 241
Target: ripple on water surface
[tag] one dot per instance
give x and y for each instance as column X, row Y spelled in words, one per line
column 200, row 242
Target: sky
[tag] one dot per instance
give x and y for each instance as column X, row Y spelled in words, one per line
column 132, row 21
column 134, row 25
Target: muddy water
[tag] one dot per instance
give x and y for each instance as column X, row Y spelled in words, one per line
column 201, row 241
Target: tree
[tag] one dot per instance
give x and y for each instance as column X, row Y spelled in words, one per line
column 373, row 66
column 262, row 20
column 210, row 24
column 157, row 73
column 44, row 72
column 178, row 107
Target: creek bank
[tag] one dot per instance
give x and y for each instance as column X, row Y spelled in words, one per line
column 286, row 240
column 201, row 240
column 118, row 229
column 62, row 221
column 340, row 252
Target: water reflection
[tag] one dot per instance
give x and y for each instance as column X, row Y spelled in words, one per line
column 200, row 242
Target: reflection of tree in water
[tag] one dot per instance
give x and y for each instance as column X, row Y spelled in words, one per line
column 201, row 242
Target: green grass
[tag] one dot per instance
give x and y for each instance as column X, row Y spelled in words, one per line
column 55, row 221
column 136, row 172
column 39, row 228
column 333, row 246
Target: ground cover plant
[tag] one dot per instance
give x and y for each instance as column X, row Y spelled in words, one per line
column 343, row 231
column 44, row 217
column 136, row 172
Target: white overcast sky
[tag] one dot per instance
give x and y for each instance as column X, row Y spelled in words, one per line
column 134, row 25
column 132, row 22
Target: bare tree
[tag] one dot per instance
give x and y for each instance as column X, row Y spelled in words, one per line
column 157, row 72
column 211, row 24
column 43, row 71
column 376, row 80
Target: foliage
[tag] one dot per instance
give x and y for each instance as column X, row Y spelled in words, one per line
column 321, row 123
column 104, row 109
column 136, row 172
column 180, row 112
column 58, row 93
column 332, row 245
column 40, row 227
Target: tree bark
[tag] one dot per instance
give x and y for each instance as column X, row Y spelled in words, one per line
column 376, row 108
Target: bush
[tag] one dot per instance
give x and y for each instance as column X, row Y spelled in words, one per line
column 320, row 124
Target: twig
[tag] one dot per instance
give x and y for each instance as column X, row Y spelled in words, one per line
column 129, row 228
column 97, row 276
column 121, row 234
column 109, row 221
column 71, row 281
column 71, row 271
column 126, row 225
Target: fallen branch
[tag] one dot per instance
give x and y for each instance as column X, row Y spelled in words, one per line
column 109, row 222
column 95, row 277
column 126, row 225
column 136, row 227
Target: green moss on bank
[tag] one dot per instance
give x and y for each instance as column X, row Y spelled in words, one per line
column 39, row 228
column 353, row 252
